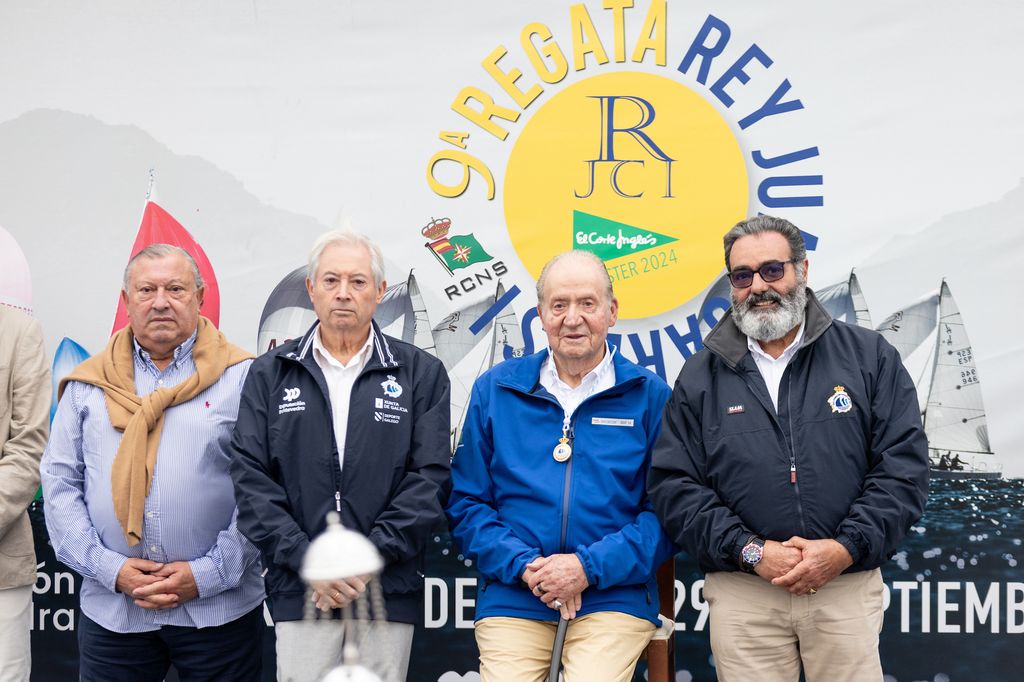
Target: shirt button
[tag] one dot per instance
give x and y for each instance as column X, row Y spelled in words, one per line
column 150, row 515
column 153, row 548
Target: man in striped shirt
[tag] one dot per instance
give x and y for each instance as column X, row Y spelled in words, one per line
column 137, row 493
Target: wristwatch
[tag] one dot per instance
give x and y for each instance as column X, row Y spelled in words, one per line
column 752, row 553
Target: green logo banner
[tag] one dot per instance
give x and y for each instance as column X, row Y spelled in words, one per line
column 610, row 239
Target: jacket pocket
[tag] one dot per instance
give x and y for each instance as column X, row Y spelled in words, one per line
column 17, row 541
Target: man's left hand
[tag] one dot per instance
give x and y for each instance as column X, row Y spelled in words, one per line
column 822, row 561
column 335, row 594
column 177, row 579
column 559, row 576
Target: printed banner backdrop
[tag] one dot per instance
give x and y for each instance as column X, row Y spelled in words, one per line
column 476, row 140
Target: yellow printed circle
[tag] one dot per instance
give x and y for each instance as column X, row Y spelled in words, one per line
column 636, row 168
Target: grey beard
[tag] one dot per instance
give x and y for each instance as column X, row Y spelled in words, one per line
column 770, row 325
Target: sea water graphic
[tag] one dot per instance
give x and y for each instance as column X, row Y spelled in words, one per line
column 967, row 549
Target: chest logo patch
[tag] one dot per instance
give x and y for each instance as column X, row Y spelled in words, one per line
column 391, row 387
column 735, row 409
column 840, row 400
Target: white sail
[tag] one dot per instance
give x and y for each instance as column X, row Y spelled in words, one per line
column 845, row 301
column 955, row 414
column 861, row 315
column 908, row 328
column 453, row 338
column 836, row 299
column 402, row 313
column 421, row 322
column 394, row 312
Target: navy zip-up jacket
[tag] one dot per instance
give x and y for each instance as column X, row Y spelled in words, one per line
column 392, row 488
column 844, row 457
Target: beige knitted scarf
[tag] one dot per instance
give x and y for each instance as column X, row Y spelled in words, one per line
column 140, row 418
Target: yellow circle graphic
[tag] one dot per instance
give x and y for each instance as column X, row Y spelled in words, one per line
column 638, row 169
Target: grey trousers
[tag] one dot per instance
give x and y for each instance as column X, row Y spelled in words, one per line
column 307, row 650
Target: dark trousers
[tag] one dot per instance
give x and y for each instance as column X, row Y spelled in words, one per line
column 232, row 652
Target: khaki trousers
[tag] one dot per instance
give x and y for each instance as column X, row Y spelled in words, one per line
column 599, row 647
column 761, row 632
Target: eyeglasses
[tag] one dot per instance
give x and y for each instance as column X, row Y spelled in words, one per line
column 772, row 271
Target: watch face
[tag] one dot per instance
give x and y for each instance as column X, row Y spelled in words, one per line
column 752, row 553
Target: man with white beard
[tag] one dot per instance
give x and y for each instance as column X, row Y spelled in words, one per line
column 791, row 463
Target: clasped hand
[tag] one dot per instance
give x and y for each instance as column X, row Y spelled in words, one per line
column 558, row 581
column 334, row 594
column 802, row 566
column 157, row 586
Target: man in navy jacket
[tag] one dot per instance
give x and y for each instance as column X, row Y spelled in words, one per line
column 792, row 463
column 549, row 496
column 344, row 419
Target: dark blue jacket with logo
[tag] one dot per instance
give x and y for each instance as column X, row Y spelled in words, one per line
column 396, row 475
column 843, row 457
column 512, row 502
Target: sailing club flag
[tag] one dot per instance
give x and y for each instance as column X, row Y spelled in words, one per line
column 459, row 251
column 159, row 227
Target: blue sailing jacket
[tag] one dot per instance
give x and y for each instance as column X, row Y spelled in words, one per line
column 512, row 502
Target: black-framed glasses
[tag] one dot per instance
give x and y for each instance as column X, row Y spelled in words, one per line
column 772, row 271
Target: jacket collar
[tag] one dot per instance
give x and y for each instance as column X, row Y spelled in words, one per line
column 381, row 356
column 728, row 342
column 525, row 375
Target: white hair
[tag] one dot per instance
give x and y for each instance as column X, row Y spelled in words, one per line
column 349, row 238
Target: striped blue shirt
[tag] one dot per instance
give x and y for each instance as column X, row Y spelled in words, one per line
column 190, row 512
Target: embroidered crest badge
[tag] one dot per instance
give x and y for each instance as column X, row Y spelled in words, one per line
column 840, row 400
column 391, row 387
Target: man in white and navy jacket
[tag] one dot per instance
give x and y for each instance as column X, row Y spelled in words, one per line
column 344, row 419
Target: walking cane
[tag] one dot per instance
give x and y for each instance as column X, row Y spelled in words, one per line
column 556, row 650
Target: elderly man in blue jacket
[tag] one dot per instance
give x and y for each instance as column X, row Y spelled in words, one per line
column 792, row 464
column 549, row 494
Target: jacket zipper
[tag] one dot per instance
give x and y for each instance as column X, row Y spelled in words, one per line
column 568, row 483
column 792, row 450
column 567, row 487
column 773, row 413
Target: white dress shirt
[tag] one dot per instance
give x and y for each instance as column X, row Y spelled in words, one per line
column 596, row 380
column 340, row 378
column 771, row 369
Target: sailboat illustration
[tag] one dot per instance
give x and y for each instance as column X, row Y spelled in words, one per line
column 948, row 386
column 845, row 301
column 454, row 340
